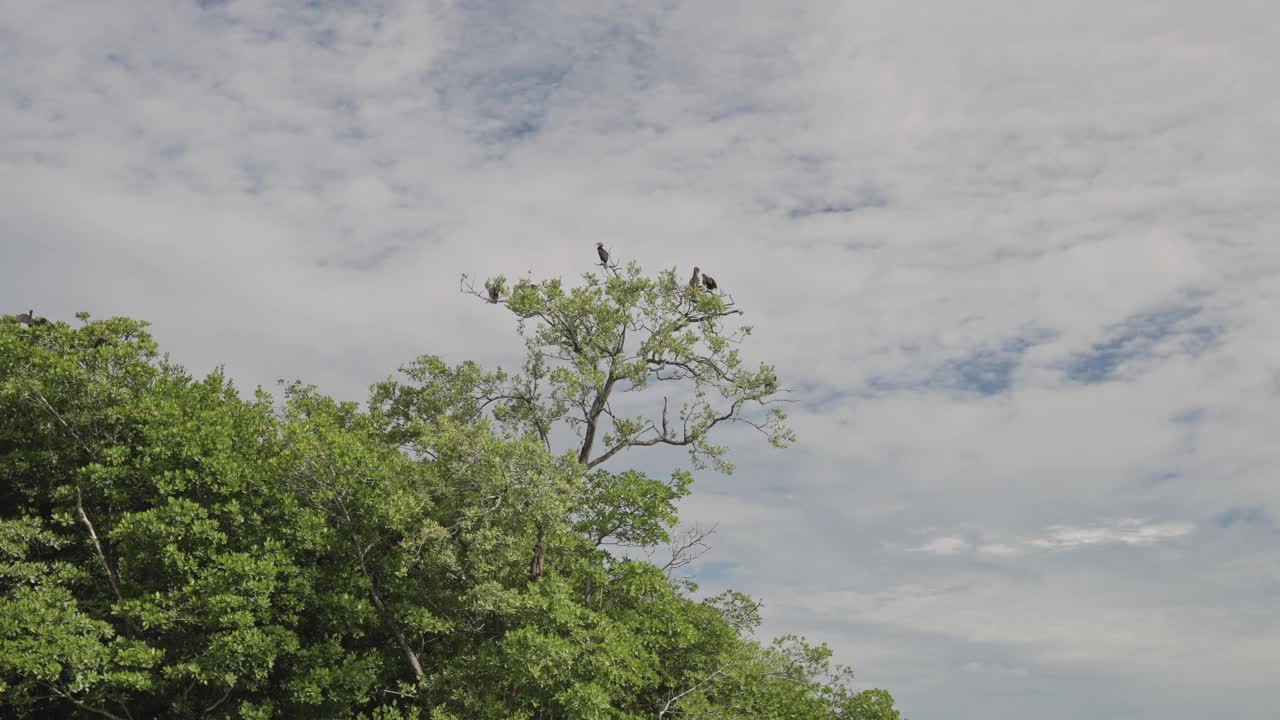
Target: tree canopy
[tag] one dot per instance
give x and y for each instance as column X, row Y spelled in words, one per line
column 456, row 548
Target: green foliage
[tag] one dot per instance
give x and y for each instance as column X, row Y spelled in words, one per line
column 620, row 333
column 169, row 548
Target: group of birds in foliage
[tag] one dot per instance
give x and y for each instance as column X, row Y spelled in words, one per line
column 495, row 293
column 29, row 319
column 699, row 277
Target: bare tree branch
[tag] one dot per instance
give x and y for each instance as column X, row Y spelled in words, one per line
column 102, row 557
column 221, row 700
column 390, row 622
column 361, row 550
column 58, row 416
column 675, row 698
column 87, row 708
column 664, row 439
column 691, row 546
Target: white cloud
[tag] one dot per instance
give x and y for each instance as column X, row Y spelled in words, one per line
column 1128, row 532
column 974, row 666
column 998, row 550
column 944, row 546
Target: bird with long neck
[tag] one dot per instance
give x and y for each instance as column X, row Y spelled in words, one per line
column 604, row 254
column 693, row 281
column 30, row 320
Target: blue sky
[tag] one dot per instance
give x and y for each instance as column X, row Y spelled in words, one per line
column 1019, row 259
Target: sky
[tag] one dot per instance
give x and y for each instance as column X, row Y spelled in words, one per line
column 1018, row 260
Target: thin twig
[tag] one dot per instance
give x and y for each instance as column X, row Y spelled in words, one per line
column 58, row 416
column 400, row 694
column 690, row 548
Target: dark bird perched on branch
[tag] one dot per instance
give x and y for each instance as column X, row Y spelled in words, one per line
column 604, row 254
column 708, row 281
column 29, row 319
column 104, row 334
column 693, row 281
column 493, row 294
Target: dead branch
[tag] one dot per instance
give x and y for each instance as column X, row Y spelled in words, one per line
column 675, row 698
column 664, row 439
column 87, row 708
column 690, row 546
column 102, row 557
column 392, row 625
column 48, row 407
column 361, row 550
column 221, row 700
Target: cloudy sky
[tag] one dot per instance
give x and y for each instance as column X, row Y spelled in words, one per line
column 1020, row 260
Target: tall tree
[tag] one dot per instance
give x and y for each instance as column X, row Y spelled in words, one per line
column 620, row 334
column 170, row 549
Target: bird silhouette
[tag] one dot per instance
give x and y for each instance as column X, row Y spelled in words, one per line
column 29, row 319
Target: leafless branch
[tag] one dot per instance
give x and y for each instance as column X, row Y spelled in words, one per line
column 390, row 622
column 58, row 416
column 87, row 708
column 675, row 698
column 221, row 700
column 664, row 439
column 690, row 546
column 384, row 615
column 408, row 696
column 102, row 557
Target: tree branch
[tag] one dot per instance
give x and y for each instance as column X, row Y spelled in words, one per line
column 102, row 557
column 692, row 547
column 664, row 439
column 221, row 700
column 87, row 708
column 383, row 614
column 392, row 625
column 593, row 416
column 58, row 416
column 667, row 708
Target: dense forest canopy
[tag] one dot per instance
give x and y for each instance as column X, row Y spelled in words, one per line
column 454, row 549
